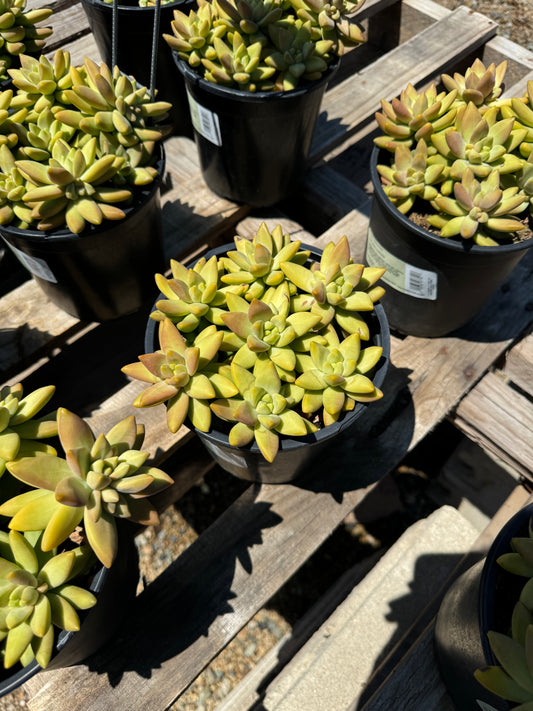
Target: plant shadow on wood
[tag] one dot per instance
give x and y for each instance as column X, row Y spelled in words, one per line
column 191, row 594
column 378, row 440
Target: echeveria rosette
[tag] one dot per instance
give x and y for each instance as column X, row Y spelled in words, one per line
column 480, row 85
column 333, row 376
column 263, row 409
column 414, row 116
column 256, row 264
column 192, row 295
column 410, row 176
column 182, row 376
column 20, row 431
column 100, row 479
column 336, row 288
column 268, row 330
column 479, row 210
column 37, row 594
column 479, row 142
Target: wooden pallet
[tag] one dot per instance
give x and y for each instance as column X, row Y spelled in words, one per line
column 198, row 604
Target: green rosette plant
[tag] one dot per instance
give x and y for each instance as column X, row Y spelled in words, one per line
column 264, row 45
column 264, row 338
column 459, row 157
column 19, row 33
column 76, row 143
column 37, row 596
column 99, row 479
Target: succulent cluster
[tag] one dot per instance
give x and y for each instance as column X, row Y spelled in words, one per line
column 74, row 143
column 264, row 338
column 60, row 515
column 512, row 677
column 19, row 33
column 264, row 45
column 461, row 157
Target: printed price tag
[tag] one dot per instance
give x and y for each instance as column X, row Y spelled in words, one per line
column 406, row 278
column 204, row 121
column 35, row 265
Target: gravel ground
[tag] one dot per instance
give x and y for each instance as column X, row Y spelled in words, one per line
column 182, row 524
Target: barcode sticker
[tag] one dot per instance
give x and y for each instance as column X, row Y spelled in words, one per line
column 204, row 121
column 406, row 278
column 36, row 266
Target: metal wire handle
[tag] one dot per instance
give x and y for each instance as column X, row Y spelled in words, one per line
column 155, row 42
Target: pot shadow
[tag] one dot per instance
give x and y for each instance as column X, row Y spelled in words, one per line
column 189, row 604
column 374, row 445
column 507, row 312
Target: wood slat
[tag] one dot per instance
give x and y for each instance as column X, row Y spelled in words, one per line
column 519, row 364
column 500, row 419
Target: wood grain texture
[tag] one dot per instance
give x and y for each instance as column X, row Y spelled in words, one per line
column 500, row 419
column 519, row 364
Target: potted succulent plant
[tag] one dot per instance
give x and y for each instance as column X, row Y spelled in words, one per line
column 81, row 163
column 485, row 625
column 269, row 350
column 65, row 564
column 451, row 214
column 255, row 72
column 19, row 34
column 130, row 31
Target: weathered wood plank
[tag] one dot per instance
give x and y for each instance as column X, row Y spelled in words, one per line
column 354, row 100
column 500, row 419
column 519, row 364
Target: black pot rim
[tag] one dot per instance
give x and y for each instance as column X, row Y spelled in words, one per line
column 464, row 247
column 193, row 76
column 499, row 546
column 64, row 235
column 287, row 443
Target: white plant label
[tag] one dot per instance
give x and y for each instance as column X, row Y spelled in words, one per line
column 36, row 266
column 406, row 278
column 485, row 706
column 204, row 121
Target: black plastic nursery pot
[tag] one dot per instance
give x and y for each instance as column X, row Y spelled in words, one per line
column 134, row 42
column 252, row 146
column 480, row 600
column 106, row 271
column 434, row 285
column 295, row 455
column 115, row 589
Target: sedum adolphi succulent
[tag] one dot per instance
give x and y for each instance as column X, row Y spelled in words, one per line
column 100, row 479
column 264, row 45
column 37, row 595
column 20, row 430
column 458, row 157
column 263, row 337
column 59, row 517
column 19, row 33
column 512, row 677
column 75, row 143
